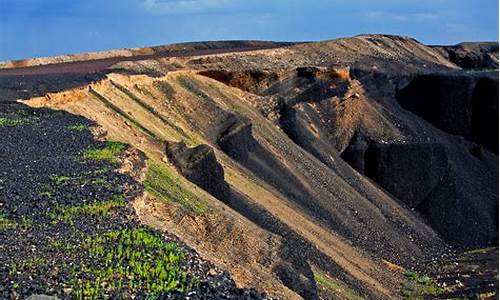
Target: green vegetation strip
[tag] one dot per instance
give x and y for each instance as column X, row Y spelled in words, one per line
column 109, row 152
column 129, row 261
column 99, row 208
column 335, row 286
column 418, row 286
column 16, row 119
column 79, row 127
column 161, row 183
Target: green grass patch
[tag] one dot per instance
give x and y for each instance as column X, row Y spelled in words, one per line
column 79, row 127
column 418, row 286
column 109, row 152
column 6, row 223
column 127, row 261
column 100, row 208
column 161, row 183
column 17, row 119
column 335, row 286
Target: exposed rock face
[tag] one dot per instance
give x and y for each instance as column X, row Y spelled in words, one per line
column 248, row 80
column 200, row 166
column 472, row 55
column 460, row 104
column 398, row 167
column 237, row 140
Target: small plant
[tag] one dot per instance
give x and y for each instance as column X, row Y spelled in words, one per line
column 109, row 152
column 417, row 286
column 68, row 213
column 60, row 179
column 5, row 223
column 160, row 183
column 78, row 127
column 47, row 194
column 236, row 109
column 26, row 223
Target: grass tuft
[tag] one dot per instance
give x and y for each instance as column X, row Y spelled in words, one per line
column 109, row 152
column 161, row 183
column 418, row 286
column 78, row 127
column 6, row 223
column 60, row 179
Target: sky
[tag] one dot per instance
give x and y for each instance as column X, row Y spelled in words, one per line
column 37, row 28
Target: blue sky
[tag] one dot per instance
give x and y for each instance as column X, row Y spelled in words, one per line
column 34, row 28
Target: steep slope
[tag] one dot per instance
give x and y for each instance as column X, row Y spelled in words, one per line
column 299, row 167
column 67, row 224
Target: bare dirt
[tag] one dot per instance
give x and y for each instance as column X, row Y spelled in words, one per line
column 314, row 143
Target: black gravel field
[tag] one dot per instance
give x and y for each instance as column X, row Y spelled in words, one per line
column 67, row 228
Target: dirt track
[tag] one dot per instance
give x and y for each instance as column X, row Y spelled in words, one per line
column 93, row 66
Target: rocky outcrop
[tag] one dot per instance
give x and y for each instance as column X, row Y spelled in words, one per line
column 200, row 166
column 434, row 178
column 458, row 103
column 482, row 55
column 237, row 140
column 398, row 167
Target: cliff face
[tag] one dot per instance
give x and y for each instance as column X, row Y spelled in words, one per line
column 347, row 160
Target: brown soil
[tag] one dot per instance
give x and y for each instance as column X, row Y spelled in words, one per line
column 282, row 123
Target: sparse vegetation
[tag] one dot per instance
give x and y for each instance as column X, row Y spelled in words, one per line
column 5, row 223
column 161, row 183
column 166, row 89
column 480, row 250
column 129, row 260
column 335, row 286
column 79, row 127
column 16, row 119
column 236, row 108
column 191, row 86
column 418, row 286
column 99, row 208
column 60, row 179
column 109, row 152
